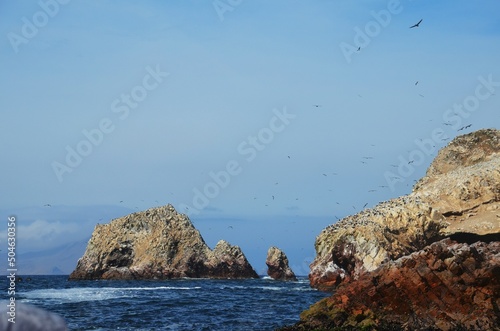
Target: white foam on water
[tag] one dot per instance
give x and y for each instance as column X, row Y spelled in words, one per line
column 155, row 288
column 272, row 288
column 80, row 294
column 303, row 281
column 276, row 288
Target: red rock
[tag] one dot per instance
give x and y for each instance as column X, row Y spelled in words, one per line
column 410, row 294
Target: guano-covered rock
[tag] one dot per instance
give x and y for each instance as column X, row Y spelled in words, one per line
column 158, row 243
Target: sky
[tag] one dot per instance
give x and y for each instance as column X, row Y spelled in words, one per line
column 263, row 121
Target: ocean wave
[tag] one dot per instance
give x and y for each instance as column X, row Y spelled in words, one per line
column 81, row 294
column 266, row 288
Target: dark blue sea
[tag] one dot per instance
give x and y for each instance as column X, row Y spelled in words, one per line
column 184, row 304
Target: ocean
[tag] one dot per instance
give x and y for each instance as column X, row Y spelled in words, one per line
column 182, row 304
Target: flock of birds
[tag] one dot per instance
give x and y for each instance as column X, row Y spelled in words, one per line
column 364, row 159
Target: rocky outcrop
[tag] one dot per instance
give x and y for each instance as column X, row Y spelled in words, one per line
column 277, row 265
column 158, row 243
column 446, row 286
column 464, row 151
column 459, row 196
column 392, row 269
column 362, row 242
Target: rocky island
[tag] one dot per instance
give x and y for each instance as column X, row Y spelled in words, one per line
column 277, row 265
column 426, row 261
column 157, row 243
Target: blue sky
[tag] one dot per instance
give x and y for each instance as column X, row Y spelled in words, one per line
column 227, row 90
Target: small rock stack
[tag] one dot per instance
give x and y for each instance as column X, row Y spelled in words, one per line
column 277, row 265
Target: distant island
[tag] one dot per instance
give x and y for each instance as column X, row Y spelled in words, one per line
column 158, row 243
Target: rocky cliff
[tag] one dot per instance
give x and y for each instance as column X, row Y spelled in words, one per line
column 458, row 197
column 445, row 286
column 426, row 261
column 158, row 243
column 277, row 265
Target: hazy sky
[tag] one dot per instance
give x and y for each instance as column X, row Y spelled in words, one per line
column 264, row 121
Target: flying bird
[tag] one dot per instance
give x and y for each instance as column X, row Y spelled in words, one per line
column 416, row 25
column 47, row 205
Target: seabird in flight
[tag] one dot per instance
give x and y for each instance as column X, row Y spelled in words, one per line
column 416, row 25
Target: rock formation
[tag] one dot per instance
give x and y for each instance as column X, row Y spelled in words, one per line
column 459, row 196
column 446, row 286
column 277, row 265
column 426, row 261
column 364, row 241
column 158, row 243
